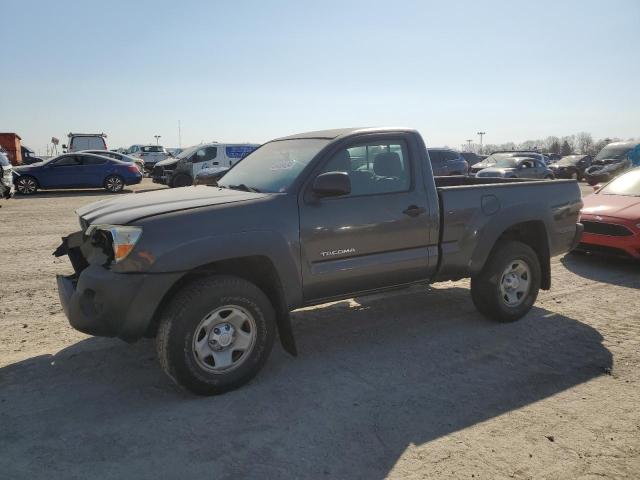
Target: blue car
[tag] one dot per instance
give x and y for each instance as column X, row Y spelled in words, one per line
column 76, row 170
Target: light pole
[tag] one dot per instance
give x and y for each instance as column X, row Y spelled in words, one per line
column 157, row 137
column 481, row 134
column 469, row 140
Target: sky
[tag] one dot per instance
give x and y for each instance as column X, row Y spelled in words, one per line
column 256, row 70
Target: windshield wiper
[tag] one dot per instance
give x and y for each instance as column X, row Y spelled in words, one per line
column 243, row 187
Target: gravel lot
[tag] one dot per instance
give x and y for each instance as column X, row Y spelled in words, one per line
column 413, row 384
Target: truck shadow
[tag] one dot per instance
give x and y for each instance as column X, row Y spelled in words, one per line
column 615, row 271
column 374, row 376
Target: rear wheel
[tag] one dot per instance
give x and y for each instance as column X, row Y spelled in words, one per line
column 26, row 185
column 114, row 183
column 182, row 180
column 215, row 334
column 508, row 285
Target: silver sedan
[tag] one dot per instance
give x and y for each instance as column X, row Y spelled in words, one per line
column 518, row 167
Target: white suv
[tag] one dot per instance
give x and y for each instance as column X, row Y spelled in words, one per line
column 149, row 154
column 85, row 141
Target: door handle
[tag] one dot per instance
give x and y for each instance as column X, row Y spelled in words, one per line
column 414, row 210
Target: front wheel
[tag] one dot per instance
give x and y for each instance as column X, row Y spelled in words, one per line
column 508, row 285
column 182, row 180
column 26, row 185
column 114, row 183
column 215, row 334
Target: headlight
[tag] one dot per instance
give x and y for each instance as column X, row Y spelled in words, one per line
column 117, row 240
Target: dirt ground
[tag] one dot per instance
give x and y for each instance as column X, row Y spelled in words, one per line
column 412, row 384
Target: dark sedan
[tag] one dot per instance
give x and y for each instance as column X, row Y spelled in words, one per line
column 447, row 162
column 571, row 166
column 74, row 170
column 613, row 160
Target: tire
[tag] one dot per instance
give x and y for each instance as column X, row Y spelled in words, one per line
column 197, row 314
column 575, row 176
column 26, row 185
column 488, row 287
column 114, row 183
column 182, row 180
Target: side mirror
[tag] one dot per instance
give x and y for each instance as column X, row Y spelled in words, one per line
column 332, row 184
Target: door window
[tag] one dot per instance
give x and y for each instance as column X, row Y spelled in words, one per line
column 205, row 154
column 373, row 168
column 436, row 157
column 68, row 161
column 93, row 160
column 451, row 156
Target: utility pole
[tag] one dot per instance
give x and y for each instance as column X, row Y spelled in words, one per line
column 157, row 137
column 481, row 134
column 179, row 136
column 469, row 140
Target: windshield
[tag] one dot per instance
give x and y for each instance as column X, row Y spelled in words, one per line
column 153, row 149
column 494, row 157
column 188, row 151
column 506, row 162
column 617, row 152
column 274, row 166
column 570, row 160
column 627, row 184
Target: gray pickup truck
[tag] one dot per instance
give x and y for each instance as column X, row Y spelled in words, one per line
column 212, row 272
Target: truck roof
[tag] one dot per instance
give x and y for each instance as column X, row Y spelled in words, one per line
column 343, row 132
column 71, row 134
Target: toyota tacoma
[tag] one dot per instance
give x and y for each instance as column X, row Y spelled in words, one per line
column 212, row 272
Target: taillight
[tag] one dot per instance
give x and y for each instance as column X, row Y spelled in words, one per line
column 133, row 168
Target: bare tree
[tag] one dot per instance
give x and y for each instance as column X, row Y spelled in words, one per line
column 584, row 142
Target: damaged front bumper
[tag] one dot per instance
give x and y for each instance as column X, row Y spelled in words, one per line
column 100, row 302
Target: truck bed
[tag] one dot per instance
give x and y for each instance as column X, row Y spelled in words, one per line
column 475, row 212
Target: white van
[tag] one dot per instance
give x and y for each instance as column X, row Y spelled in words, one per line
column 183, row 169
column 85, row 141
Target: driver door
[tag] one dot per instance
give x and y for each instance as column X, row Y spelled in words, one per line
column 63, row 172
column 374, row 237
column 204, row 158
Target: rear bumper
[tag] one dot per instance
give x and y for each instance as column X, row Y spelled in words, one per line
column 103, row 303
column 577, row 236
column 133, row 180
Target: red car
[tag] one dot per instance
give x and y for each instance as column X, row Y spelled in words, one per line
column 611, row 218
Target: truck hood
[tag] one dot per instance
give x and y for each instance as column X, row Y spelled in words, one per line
column 618, row 206
column 125, row 209
column 168, row 161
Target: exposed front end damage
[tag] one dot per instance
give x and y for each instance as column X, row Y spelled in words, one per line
column 99, row 301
